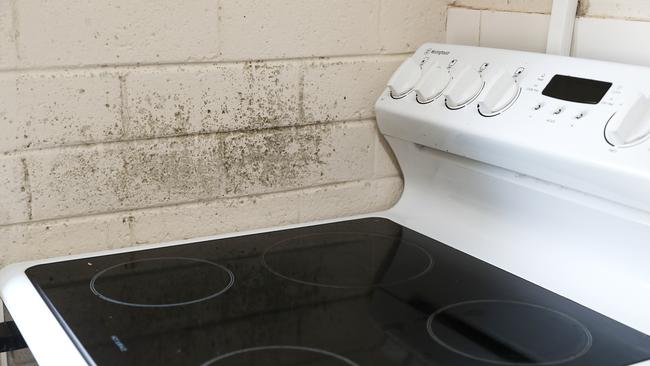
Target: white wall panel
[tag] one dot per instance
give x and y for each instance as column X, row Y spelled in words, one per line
column 463, row 26
column 517, row 31
column 612, row 40
column 609, row 39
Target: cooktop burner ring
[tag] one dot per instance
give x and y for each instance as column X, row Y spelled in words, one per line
column 585, row 331
column 344, row 360
column 98, row 293
column 422, row 272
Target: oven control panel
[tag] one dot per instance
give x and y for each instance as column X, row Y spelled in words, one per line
column 583, row 124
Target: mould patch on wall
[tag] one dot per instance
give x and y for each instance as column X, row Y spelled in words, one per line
column 583, row 8
column 212, row 98
column 344, row 90
column 272, row 160
column 260, row 95
column 75, row 181
column 172, row 170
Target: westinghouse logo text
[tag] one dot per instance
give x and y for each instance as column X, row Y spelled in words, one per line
column 439, row 52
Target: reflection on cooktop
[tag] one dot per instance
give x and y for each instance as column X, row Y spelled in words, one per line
column 361, row 292
column 509, row 332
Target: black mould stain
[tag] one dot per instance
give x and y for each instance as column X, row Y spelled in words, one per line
column 272, row 159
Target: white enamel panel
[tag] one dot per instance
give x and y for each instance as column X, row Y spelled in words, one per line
column 551, row 139
column 578, row 246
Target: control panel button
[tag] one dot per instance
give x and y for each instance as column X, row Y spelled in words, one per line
column 558, row 111
column 464, row 88
column 404, row 79
column 631, row 124
column 432, row 84
column 500, row 95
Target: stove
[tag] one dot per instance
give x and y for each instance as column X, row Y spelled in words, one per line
column 359, row 292
column 506, row 248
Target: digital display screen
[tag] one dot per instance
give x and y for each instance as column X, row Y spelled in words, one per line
column 575, row 89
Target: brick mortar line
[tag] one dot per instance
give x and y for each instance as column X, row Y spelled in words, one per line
column 128, row 212
column 16, row 33
column 615, row 17
column 109, row 143
column 123, row 107
column 380, row 34
column 301, row 93
column 28, row 187
column 219, row 12
column 480, row 24
column 583, row 12
column 469, row 7
column 109, row 67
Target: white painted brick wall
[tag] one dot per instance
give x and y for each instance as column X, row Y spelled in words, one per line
column 405, row 25
column 252, row 29
column 127, row 122
column 345, row 89
column 13, row 191
column 47, row 109
column 78, row 32
column 7, row 37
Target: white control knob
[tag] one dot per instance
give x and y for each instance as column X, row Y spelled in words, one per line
column 464, row 88
column 432, row 84
column 500, row 95
column 404, row 79
column 631, row 124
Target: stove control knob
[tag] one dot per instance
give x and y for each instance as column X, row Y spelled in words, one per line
column 432, row 84
column 631, row 124
column 404, row 79
column 500, row 95
column 464, row 88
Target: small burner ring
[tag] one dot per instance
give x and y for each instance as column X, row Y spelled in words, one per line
column 342, row 360
column 228, row 275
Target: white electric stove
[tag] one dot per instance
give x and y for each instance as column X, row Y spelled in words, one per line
column 522, row 238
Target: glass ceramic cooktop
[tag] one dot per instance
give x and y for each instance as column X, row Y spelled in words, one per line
column 359, row 293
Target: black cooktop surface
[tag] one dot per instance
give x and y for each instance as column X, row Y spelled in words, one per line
column 365, row 292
